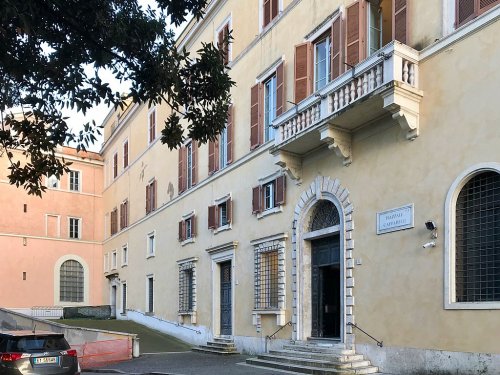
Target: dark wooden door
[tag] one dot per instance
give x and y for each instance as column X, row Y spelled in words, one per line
column 225, row 299
column 325, row 287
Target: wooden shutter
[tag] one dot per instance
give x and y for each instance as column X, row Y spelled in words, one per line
column 484, row 5
column 280, row 88
column 256, row 203
column 125, row 154
column 181, row 231
column 303, row 72
column 355, row 34
column 336, row 38
column 274, row 9
column 194, row 162
column 154, row 201
column 193, row 226
column 229, row 210
column 267, row 13
column 148, row 199
column 211, row 157
column 255, row 115
column 212, row 217
column 182, row 169
column 400, row 21
column 230, row 131
column 279, row 197
column 226, row 44
column 465, row 11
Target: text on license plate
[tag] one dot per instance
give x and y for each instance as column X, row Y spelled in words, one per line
column 43, row 360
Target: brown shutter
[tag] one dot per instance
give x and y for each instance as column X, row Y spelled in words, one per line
column 154, row 200
column 484, row 5
column 212, row 212
column 280, row 190
column 193, row 226
column 355, row 35
column 400, row 21
column 194, row 158
column 274, row 9
column 303, row 71
column 280, row 89
column 181, row 231
column 148, row 200
column 230, row 130
column 337, row 63
column 465, row 11
column 255, row 116
column 256, row 193
column 267, row 12
column 182, row 168
column 216, row 154
column 226, row 44
column 211, row 157
column 229, row 210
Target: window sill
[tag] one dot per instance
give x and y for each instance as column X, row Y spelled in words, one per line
column 279, row 313
column 222, row 228
column 472, row 305
column 270, row 211
column 150, row 256
column 188, row 241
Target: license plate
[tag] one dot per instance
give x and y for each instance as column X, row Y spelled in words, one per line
column 45, row 360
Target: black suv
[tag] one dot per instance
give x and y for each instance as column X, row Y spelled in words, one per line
column 40, row 352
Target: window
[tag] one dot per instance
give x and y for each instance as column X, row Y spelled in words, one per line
column 124, row 298
column 114, row 221
column 74, row 228
column 270, row 10
column 467, row 10
column 151, row 197
column 187, row 286
column 124, row 255
column 267, row 101
column 151, row 244
column 71, row 280
column 150, row 294
column 321, row 62
column 220, row 152
column 74, row 180
column 477, row 240
column 187, row 228
column 267, row 293
column 374, row 27
column 125, row 154
column 269, row 195
column 124, row 214
column 219, row 215
column 152, row 126
column 223, row 42
column 114, row 260
column 52, row 182
column 188, row 166
column 115, row 165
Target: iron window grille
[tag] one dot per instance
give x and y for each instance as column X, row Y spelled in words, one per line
column 269, row 275
column 71, row 279
column 477, row 241
column 150, row 294
column 325, row 215
column 187, row 288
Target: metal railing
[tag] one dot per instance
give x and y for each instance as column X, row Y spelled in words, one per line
column 379, row 343
column 273, row 335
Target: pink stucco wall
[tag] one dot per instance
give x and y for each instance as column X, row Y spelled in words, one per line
column 29, row 244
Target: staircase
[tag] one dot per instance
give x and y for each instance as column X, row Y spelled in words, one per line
column 220, row 346
column 316, row 358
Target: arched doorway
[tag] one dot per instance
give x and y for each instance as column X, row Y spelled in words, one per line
column 322, row 249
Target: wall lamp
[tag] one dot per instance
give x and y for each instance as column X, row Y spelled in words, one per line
column 432, row 227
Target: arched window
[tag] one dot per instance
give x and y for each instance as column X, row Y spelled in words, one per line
column 325, row 215
column 477, row 239
column 71, row 282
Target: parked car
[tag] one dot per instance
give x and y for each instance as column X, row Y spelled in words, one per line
column 36, row 352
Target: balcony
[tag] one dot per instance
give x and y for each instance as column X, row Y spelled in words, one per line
column 385, row 84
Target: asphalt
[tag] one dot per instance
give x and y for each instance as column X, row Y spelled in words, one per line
column 185, row 363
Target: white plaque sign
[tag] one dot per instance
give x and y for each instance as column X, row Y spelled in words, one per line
column 395, row 219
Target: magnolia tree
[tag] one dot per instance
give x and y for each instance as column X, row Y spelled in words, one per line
column 52, row 57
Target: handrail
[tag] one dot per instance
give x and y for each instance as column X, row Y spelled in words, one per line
column 379, row 343
column 273, row 335
column 167, row 321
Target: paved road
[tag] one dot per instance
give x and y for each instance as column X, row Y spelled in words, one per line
column 186, row 363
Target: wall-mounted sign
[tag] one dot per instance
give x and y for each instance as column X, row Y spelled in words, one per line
column 395, row 219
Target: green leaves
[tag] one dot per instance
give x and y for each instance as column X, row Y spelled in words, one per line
column 45, row 47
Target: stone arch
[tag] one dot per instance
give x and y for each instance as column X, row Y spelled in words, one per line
column 323, row 188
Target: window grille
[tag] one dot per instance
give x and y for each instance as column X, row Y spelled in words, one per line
column 124, row 298
column 150, row 294
column 186, row 287
column 477, row 263
column 71, row 282
column 325, row 215
column 269, row 275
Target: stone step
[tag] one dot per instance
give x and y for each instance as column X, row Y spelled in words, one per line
column 316, row 362
column 309, row 355
column 216, row 344
column 223, row 339
column 313, row 348
column 211, row 350
column 311, row 369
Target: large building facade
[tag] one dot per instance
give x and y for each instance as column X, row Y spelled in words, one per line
column 52, row 246
column 357, row 182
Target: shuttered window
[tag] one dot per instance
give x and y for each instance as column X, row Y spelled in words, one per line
column 400, row 21
column 220, row 215
column 151, row 197
column 187, row 228
column 220, row 151
column 355, row 34
column 188, row 166
column 255, row 116
column 223, row 43
column 124, row 214
column 114, row 221
column 125, row 154
column 152, row 126
column 270, row 11
column 268, row 195
column 115, row 165
column 467, row 10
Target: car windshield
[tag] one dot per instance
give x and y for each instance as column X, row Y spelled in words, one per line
column 37, row 343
